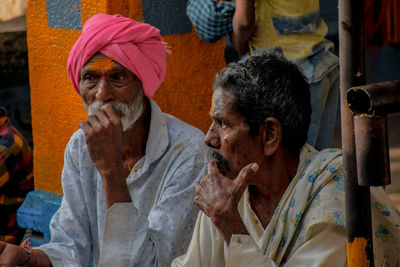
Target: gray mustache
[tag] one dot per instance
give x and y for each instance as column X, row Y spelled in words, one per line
column 221, row 161
column 118, row 107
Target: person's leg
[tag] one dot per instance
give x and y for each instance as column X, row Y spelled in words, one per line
column 324, row 103
column 329, row 115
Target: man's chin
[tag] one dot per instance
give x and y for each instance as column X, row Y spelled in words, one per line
column 226, row 171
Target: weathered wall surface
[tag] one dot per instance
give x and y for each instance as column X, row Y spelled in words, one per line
column 52, row 28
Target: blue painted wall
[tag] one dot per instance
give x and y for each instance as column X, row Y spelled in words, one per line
column 64, row 14
column 168, row 16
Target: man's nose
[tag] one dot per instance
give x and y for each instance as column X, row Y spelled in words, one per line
column 212, row 137
column 103, row 92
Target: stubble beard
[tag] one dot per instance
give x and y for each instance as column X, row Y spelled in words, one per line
column 128, row 114
column 222, row 163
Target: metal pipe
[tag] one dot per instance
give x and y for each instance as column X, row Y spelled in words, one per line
column 373, row 163
column 352, row 73
column 375, row 99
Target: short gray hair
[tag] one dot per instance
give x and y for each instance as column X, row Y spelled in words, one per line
column 268, row 85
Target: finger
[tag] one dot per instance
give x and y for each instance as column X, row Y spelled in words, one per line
column 203, row 188
column 201, row 203
column 93, row 121
column 102, row 118
column 197, row 187
column 110, row 112
column 244, row 177
column 204, row 175
column 84, row 126
column 112, row 115
column 212, row 167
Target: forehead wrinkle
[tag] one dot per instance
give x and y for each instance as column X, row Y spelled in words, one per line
column 221, row 102
column 224, row 108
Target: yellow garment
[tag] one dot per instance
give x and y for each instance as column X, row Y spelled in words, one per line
column 295, row 44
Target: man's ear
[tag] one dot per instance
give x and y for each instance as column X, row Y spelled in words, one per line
column 272, row 135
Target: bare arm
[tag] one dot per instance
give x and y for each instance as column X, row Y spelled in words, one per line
column 244, row 22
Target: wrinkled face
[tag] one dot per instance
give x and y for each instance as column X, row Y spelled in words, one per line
column 229, row 136
column 106, row 81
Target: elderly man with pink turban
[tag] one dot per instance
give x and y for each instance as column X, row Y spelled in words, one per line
column 129, row 172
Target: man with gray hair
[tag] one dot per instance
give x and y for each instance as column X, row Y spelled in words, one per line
column 269, row 199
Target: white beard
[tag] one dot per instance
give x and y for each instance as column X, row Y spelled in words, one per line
column 128, row 114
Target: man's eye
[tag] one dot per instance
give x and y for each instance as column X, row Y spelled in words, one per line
column 221, row 123
column 118, row 77
column 88, row 78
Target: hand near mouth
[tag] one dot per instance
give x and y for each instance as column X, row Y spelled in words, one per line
column 218, row 196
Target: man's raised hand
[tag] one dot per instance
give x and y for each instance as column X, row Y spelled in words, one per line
column 103, row 135
column 218, row 197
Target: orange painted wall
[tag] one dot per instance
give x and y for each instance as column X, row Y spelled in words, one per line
column 57, row 109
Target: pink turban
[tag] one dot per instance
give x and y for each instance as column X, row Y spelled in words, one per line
column 136, row 46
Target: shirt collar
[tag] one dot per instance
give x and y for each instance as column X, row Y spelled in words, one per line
column 158, row 139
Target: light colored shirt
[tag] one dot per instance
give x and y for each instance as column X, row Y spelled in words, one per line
column 307, row 228
column 151, row 230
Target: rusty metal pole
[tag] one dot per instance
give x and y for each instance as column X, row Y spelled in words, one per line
column 375, row 98
column 352, row 73
column 373, row 162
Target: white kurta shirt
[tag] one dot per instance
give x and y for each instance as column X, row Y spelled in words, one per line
column 327, row 247
column 307, row 228
column 151, row 230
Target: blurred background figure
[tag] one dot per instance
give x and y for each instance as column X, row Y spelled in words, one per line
column 16, row 178
column 11, row 9
column 294, row 27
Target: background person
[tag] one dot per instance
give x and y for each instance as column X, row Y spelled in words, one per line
column 16, row 178
column 296, row 28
